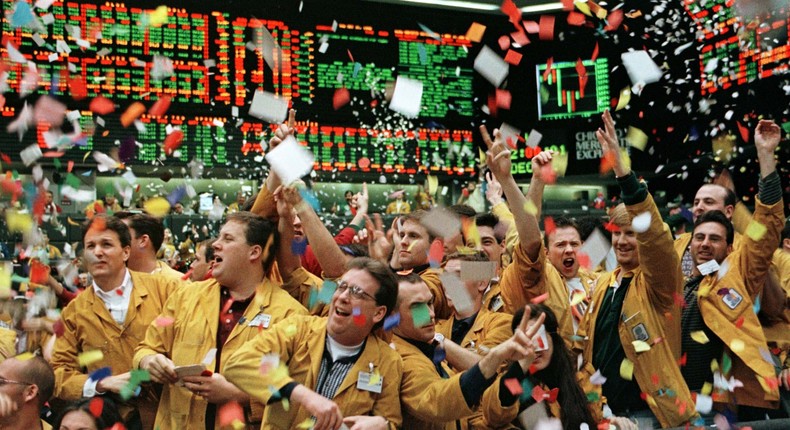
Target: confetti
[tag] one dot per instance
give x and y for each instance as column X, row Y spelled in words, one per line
column 298, row 246
column 514, row 386
column 477, row 270
column 420, row 315
column 755, row 231
column 627, row 369
column 132, row 113
column 290, row 160
column 173, row 141
column 164, row 321
column 637, row 138
column 641, row 222
column 513, row 57
column 229, row 413
column 160, row 107
column 546, row 27
column 407, row 97
column 597, row 378
column 540, row 299
column 737, row 345
column 340, row 98
column 640, row 67
column 157, row 206
column 89, row 357
column 268, row 107
column 699, row 337
column 704, row 403
column 391, row 321
column 491, row 66
column 101, row 106
column 596, row 247
column 96, row 406
column 442, row 223
column 456, row 291
column 475, row 32
column 435, row 253
column 641, row 346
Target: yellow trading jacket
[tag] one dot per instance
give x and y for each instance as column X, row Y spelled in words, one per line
column 194, row 332
column 89, row 326
column 525, row 279
column 429, row 402
column 300, row 342
column 726, row 303
column 432, row 279
column 502, row 212
column 301, row 284
column 650, row 309
column 489, row 330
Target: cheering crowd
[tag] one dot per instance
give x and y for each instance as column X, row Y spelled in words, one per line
column 449, row 318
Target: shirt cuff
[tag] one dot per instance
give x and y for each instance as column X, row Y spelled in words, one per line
column 89, row 389
column 506, row 398
column 285, row 392
column 770, row 189
column 632, row 191
column 473, row 385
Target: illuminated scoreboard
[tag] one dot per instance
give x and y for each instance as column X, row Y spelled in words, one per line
column 740, row 41
column 564, row 92
column 210, row 59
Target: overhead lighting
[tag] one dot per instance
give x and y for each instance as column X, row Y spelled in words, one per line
column 546, row 7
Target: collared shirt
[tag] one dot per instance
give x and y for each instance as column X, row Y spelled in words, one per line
column 117, row 300
column 461, row 328
column 333, row 371
column 574, row 285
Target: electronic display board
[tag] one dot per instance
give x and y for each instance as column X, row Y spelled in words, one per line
column 564, row 92
column 209, row 60
column 740, row 41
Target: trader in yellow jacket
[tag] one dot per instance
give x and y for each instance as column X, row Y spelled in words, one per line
column 719, row 296
column 432, row 399
column 206, row 328
column 631, row 331
column 333, row 370
column 109, row 318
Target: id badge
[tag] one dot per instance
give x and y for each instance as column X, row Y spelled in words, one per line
column 261, row 320
column 367, row 382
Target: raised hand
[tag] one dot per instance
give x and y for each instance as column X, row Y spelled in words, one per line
column 766, row 139
column 607, row 137
column 497, row 155
column 493, row 190
column 284, row 130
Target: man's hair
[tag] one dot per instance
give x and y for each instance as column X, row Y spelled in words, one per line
column 249, row 203
column 208, row 245
column 142, row 224
column 561, row 221
column 259, row 231
column 717, row 216
column 619, row 216
column 37, row 371
column 461, row 256
column 417, row 216
column 730, row 199
column 463, row 210
column 387, row 293
column 104, row 222
column 409, row 277
column 488, row 219
column 785, row 233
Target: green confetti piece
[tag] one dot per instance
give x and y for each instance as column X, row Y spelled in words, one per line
column 593, row 397
column 420, row 315
column 726, row 364
column 73, row 181
column 326, row 292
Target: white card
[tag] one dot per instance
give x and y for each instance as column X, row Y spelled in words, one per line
column 491, row 66
column 456, row 291
column 596, row 247
column 407, row 97
column 268, row 107
column 30, row 154
column 290, row 160
column 477, row 270
column 640, row 67
column 708, row 267
column 442, row 223
column 534, row 138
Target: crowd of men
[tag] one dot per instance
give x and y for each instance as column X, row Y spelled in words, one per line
column 447, row 319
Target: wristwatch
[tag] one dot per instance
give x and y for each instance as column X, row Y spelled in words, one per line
column 438, row 340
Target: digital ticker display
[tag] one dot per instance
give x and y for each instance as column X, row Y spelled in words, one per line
column 572, row 89
column 209, row 63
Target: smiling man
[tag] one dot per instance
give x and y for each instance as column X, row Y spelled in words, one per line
column 111, row 317
column 206, row 328
column 338, row 371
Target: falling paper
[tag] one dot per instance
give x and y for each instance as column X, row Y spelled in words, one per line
column 534, row 138
column 699, row 336
column 290, row 160
column 456, row 291
column 30, row 154
column 491, row 66
column 407, row 97
column 89, row 357
column 641, row 222
column 477, row 270
column 268, row 107
column 596, row 247
column 640, row 67
column 442, row 223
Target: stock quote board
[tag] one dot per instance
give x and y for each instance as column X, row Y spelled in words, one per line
column 209, row 60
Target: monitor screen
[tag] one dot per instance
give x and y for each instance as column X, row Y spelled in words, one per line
column 568, row 89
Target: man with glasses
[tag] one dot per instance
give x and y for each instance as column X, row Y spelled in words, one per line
column 237, row 304
column 25, row 386
column 325, row 372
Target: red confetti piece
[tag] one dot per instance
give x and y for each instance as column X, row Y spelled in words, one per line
column 595, row 52
column 504, row 42
column 187, row 275
column 436, row 252
column 363, row 163
column 744, row 131
column 540, row 299
column 132, row 113
column 119, row 291
column 160, row 107
column 547, row 174
column 614, row 20
column 163, row 321
column 118, row 426
column 607, row 163
column 341, row 98
column 503, row 98
column 548, row 68
column 576, row 18
column 359, row 320
column 546, row 27
column 580, row 69
column 679, row 300
column 567, row 6
column 350, row 57
column 611, row 227
column 654, row 379
column 584, row 260
column 101, row 106
column 5, row 157
column 513, row 57
column 2, row 101
column 96, row 406
column 69, row 166
column 78, row 88
column 520, row 37
column 511, row 10
column 39, row 272
column 682, row 360
column 173, row 141
column 229, row 413
column 514, row 386
column 739, row 322
column 548, row 225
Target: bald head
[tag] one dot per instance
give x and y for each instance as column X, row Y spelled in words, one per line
column 714, row 197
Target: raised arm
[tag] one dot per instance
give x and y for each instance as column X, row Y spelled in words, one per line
column 498, row 160
column 264, row 203
column 658, row 261
column 502, row 211
column 328, row 253
column 287, row 261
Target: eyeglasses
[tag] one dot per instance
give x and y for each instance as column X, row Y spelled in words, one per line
column 4, row 381
column 355, row 290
